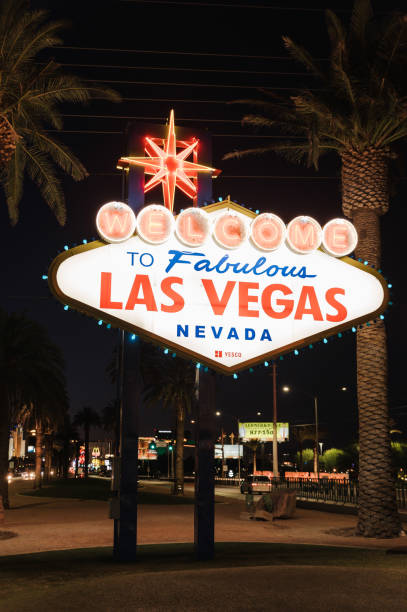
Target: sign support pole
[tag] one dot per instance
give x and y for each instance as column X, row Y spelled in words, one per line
column 204, row 518
column 125, row 541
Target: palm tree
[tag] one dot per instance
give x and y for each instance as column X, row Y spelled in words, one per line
column 87, row 417
column 31, row 373
column 253, row 445
column 31, row 94
column 300, row 435
column 360, row 113
column 45, row 417
column 170, row 381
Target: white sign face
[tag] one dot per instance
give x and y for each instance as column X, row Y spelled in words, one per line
column 227, row 306
column 230, row 451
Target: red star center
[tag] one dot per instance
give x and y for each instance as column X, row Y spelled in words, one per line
column 169, row 167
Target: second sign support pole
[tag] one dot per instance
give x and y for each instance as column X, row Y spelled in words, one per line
column 204, row 519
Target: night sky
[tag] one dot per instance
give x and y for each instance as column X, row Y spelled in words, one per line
column 195, row 57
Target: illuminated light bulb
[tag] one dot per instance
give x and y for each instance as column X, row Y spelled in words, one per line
column 100, row 322
column 251, row 370
column 133, row 337
column 198, row 366
column 281, row 358
column 109, row 325
column 390, row 303
column 311, row 346
column 325, row 341
column 339, row 237
column 206, row 369
column 44, row 277
column 66, row 247
column 85, row 241
column 155, row 223
column 339, row 335
column 353, row 329
column 166, row 351
column 390, row 286
column 174, row 354
column 382, row 317
column 365, row 263
column 66, row 307
column 235, row 376
column 220, row 199
column 230, row 230
column 296, row 352
column 266, row 363
column 257, row 212
column 267, row 232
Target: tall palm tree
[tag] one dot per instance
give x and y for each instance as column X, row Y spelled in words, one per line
column 253, row 445
column 31, row 94
column 170, row 381
column 360, row 113
column 45, row 416
column 87, row 418
column 31, row 373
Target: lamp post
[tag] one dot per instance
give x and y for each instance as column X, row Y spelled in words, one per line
column 275, row 446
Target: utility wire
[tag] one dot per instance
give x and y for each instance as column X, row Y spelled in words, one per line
column 193, row 53
column 237, row 6
column 207, row 85
column 180, row 69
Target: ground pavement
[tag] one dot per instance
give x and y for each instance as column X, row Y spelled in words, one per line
column 55, row 524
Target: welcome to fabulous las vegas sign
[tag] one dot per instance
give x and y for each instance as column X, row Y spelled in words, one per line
column 220, row 284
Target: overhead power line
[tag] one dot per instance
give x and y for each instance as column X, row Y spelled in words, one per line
column 206, row 85
column 237, row 6
column 193, row 53
column 179, row 69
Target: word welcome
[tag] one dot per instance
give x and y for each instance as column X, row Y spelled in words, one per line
column 155, row 224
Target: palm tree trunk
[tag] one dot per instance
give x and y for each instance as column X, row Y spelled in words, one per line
column 365, row 197
column 39, row 436
column 48, row 457
column 4, row 444
column 86, row 427
column 77, row 452
column 179, row 457
column 254, row 460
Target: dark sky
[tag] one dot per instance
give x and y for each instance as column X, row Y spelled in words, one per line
column 194, row 57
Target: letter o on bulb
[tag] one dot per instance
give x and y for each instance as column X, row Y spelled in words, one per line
column 193, row 226
column 115, row 222
column 229, row 230
column 155, row 223
column 304, row 235
column 339, row 237
column 267, row 232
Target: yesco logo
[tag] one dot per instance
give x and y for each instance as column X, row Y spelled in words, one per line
column 155, row 224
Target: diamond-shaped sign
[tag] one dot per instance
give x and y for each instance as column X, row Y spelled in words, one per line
column 229, row 305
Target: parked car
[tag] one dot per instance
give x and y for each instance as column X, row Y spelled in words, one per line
column 256, row 484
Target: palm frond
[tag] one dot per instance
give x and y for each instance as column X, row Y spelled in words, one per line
column 301, row 55
column 43, row 175
column 61, row 155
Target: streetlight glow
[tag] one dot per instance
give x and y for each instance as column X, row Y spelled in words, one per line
column 286, row 388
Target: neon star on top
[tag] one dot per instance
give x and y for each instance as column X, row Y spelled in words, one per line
column 169, row 167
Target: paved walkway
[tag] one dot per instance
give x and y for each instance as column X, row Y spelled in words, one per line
column 56, row 524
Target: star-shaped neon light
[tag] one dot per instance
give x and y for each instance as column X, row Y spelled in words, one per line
column 168, row 167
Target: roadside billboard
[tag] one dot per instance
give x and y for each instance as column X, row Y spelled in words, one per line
column 263, row 432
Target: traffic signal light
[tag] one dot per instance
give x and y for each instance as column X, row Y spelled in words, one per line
column 152, row 445
column 170, row 447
